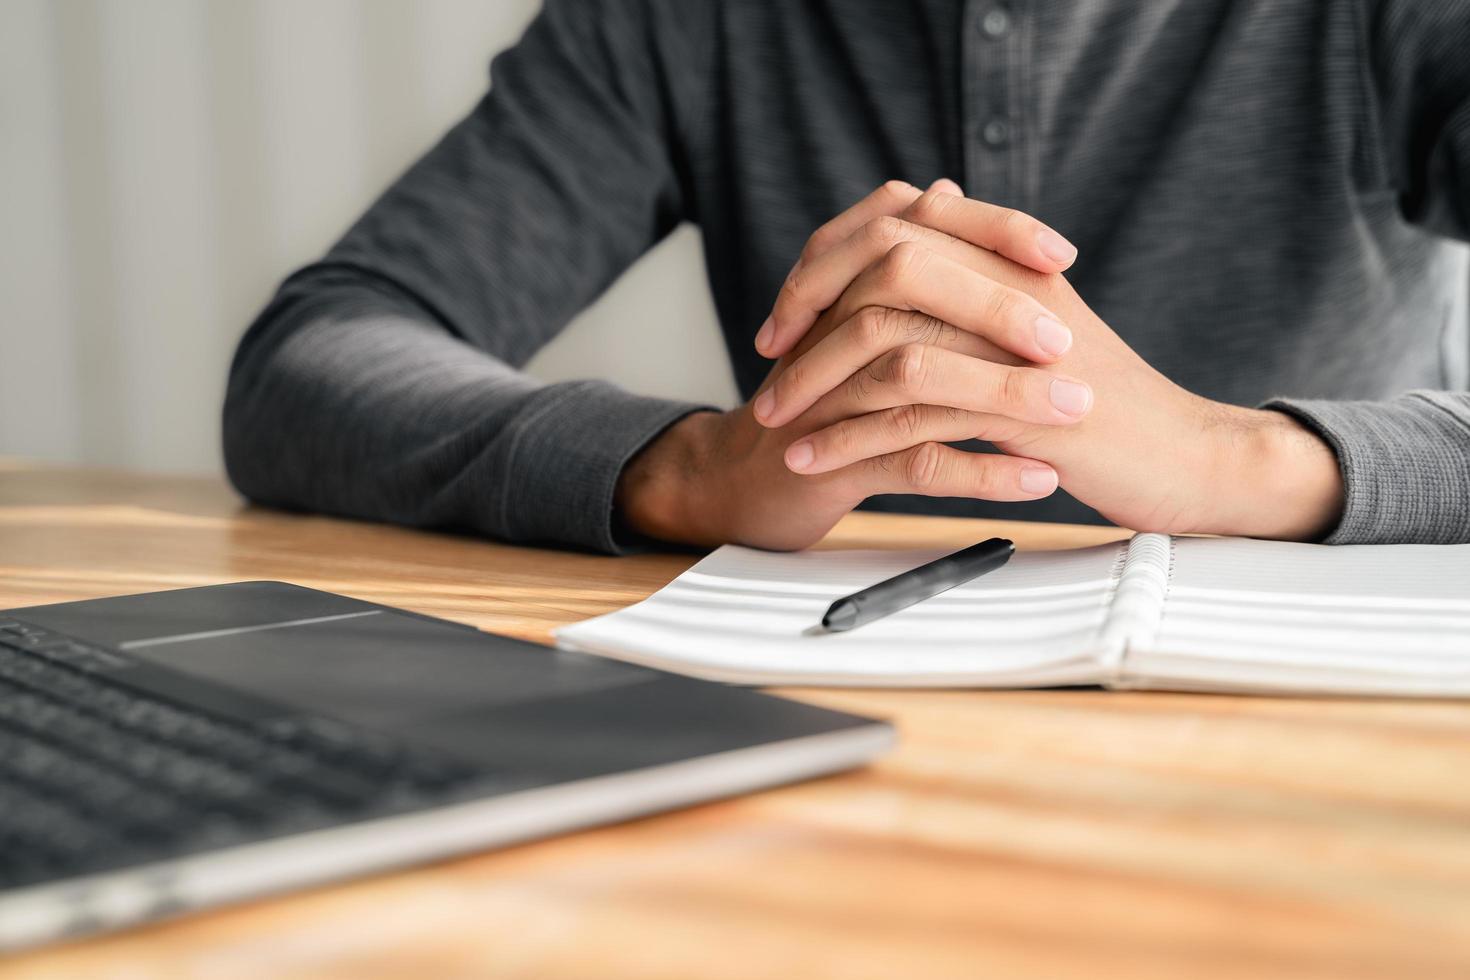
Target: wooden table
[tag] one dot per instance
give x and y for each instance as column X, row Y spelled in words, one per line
column 1047, row 834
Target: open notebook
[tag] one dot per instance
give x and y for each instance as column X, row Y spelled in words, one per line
column 1213, row 614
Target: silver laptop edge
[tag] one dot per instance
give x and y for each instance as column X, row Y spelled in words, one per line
column 165, row 889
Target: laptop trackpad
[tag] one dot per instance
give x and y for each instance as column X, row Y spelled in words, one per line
column 386, row 671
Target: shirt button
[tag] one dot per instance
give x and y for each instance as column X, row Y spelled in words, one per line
column 996, row 132
column 996, row 22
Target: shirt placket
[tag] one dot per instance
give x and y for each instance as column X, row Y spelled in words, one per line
column 994, row 129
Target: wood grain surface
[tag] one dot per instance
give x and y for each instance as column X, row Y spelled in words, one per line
column 1011, row 834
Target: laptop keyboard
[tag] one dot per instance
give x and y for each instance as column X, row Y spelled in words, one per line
column 96, row 775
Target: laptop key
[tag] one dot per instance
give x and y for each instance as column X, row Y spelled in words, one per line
column 98, row 775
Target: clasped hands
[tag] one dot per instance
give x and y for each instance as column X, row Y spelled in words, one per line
column 916, row 319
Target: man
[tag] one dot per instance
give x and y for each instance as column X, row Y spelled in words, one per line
column 1259, row 202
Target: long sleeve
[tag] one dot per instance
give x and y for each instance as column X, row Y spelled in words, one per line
column 1406, row 462
column 382, row 382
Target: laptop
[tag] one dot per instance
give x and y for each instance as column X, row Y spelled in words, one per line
column 164, row 752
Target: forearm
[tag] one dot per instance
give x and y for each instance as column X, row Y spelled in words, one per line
column 1405, row 465
column 1270, row 477
column 357, row 406
column 1390, row 472
column 662, row 492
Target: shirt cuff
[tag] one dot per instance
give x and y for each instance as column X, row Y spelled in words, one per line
column 1405, row 466
column 568, row 447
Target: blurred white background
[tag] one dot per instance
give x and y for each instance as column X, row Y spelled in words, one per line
column 164, row 163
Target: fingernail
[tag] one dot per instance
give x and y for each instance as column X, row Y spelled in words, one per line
column 1055, row 247
column 1040, row 480
column 763, row 336
column 1052, row 337
column 765, row 404
column 1071, row 397
column 800, row 455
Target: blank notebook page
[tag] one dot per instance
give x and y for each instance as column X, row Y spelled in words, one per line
column 748, row 616
column 1276, row 615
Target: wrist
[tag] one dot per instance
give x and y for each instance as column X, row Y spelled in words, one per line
column 660, row 492
column 1277, row 479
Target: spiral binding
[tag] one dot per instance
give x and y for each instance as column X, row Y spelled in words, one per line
column 1137, row 605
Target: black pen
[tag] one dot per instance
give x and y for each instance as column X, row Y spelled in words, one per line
column 917, row 584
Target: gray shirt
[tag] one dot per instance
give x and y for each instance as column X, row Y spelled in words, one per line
column 1266, row 197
